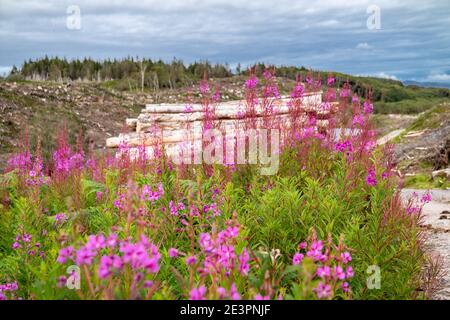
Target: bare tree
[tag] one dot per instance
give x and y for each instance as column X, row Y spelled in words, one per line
column 143, row 67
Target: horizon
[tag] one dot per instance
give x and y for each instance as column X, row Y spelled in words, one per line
column 400, row 40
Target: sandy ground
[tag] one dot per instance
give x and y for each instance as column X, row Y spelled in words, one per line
column 437, row 223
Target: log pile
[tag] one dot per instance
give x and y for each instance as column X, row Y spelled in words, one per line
column 172, row 124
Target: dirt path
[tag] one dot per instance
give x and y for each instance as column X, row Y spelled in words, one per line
column 438, row 231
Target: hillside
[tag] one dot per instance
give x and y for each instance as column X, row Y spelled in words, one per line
column 100, row 108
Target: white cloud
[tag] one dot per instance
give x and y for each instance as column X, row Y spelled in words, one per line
column 382, row 75
column 439, row 77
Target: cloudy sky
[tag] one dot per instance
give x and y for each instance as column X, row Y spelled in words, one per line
column 411, row 41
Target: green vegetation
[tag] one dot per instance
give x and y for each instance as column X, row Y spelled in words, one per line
column 432, row 118
column 426, row 182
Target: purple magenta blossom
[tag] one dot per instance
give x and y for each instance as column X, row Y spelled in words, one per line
column 371, row 178
column 298, row 258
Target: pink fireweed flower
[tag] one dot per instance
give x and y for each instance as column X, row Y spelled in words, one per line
column 60, row 218
column 173, row 208
column 173, row 253
column 191, row 260
column 62, row 281
column 298, row 91
column 426, row 198
column 197, row 293
column 16, row 245
column 104, row 270
column 134, row 254
column 151, row 264
column 298, row 258
column 244, row 258
column 206, row 242
column 331, row 80
column 26, row 237
column 84, row 256
column 371, row 178
column 346, row 257
column 64, row 255
column 302, row 245
column 271, row 91
column 315, row 251
column 349, row 272
column 119, row 203
column 216, row 96
column 234, row 294
column 148, row 284
column 251, row 83
column 193, row 211
column 370, row 146
column 232, row 232
column 323, row 290
column 338, row 272
column 345, row 287
column 99, row 196
column 204, row 87
column 345, row 92
column 355, row 99
column 368, row 107
column 96, row 242
column 112, row 240
column 76, row 161
column 261, row 297
column 344, row 147
column 222, row 292
column 358, row 120
column 323, row 272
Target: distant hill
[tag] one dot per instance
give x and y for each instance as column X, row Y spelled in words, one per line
column 426, row 84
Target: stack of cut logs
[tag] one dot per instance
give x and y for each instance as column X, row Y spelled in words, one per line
column 172, row 124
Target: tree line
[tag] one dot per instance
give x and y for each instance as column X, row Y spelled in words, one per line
column 155, row 74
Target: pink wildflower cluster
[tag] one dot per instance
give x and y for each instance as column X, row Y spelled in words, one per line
column 251, row 82
column 21, row 161
column 298, row 91
column 152, row 196
column 66, row 161
column 204, row 87
column 24, row 243
column 8, row 289
column 368, row 107
column 331, row 264
column 270, row 89
column 111, row 257
column 416, row 203
column 345, row 147
column 371, row 178
column 218, row 258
